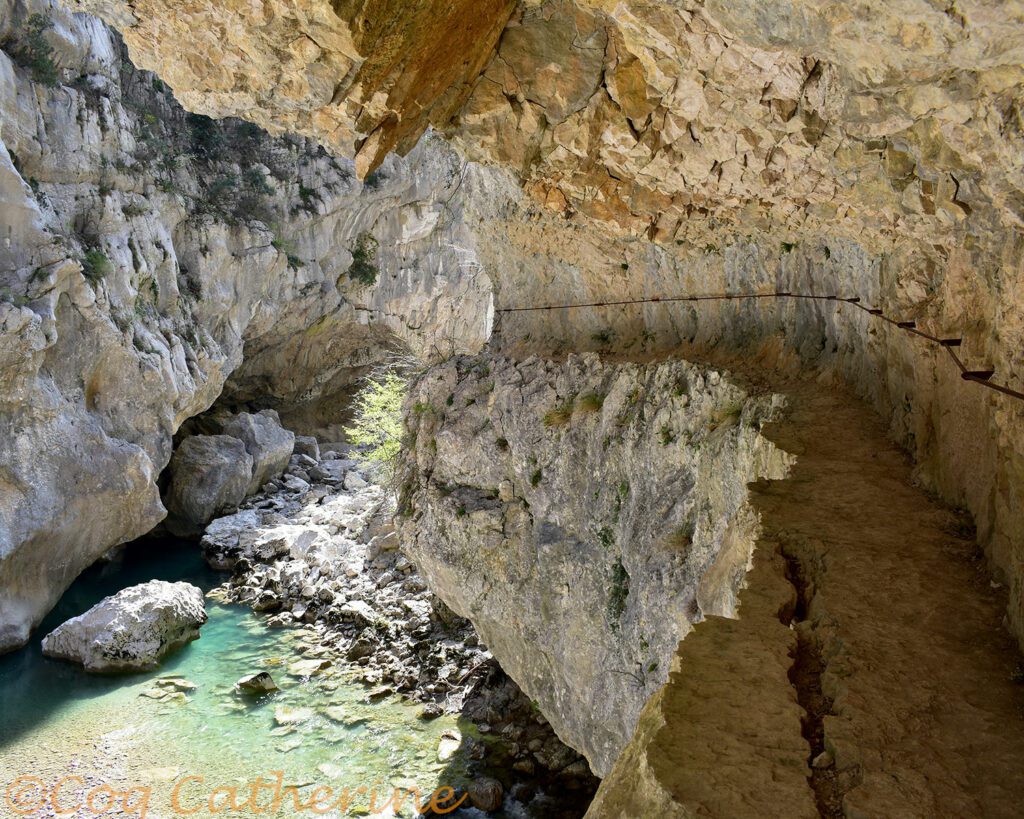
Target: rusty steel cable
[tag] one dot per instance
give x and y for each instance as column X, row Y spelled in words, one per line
column 983, row 377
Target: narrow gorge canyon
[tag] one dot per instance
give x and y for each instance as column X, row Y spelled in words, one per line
column 590, row 408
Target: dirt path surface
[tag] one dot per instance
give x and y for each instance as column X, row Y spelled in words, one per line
column 869, row 605
column 918, row 706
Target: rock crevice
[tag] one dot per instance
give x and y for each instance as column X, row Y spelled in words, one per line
column 852, row 688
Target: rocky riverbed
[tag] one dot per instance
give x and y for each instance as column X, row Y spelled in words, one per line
column 317, row 548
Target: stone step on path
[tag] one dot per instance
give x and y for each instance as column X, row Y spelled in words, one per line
column 894, row 650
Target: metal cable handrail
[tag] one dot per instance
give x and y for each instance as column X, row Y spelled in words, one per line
column 983, row 377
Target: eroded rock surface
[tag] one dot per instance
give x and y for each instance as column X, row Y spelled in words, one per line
column 796, row 115
column 131, row 630
column 209, row 473
column 363, row 76
column 848, row 686
column 871, row 152
column 583, row 514
column 150, row 258
column 578, row 512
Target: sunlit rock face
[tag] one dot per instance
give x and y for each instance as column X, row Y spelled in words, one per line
column 895, row 118
column 362, row 76
column 148, row 257
column 583, row 514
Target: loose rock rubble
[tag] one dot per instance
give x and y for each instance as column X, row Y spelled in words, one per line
column 317, row 547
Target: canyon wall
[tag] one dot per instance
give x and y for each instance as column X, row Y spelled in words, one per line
column 158, row 262
column 871, row 152
column 150, row 257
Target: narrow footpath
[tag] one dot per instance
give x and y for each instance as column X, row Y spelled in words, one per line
column 868, row 674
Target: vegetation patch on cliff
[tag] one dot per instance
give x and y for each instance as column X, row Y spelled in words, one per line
column 364, row 260
column 618, row 594
column 34, row 53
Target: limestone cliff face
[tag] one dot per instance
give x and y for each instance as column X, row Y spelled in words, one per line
column 897, row 118
column 363, row 77
column 794, row 116
column 146, row 255
column 872, row 152
column 583, row 514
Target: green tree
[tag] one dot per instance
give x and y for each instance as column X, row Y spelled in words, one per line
column 377, row 423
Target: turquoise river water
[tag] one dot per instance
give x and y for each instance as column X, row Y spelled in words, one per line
column 180, row 741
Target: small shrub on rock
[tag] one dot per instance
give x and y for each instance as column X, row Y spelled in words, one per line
column 560, row 415
column 96, row 265
column 364, row 260
column 35, row 53
column 618, row 594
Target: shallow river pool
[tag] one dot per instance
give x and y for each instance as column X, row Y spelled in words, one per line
column 179, row 741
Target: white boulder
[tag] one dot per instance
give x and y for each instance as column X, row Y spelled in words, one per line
column 131, row 630
column 259, row 683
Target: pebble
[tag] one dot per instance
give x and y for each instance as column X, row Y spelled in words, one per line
column 354, row 481
column 290, row 715
column 430, row 710
column 295, row 484
column 307, row 668
column 451, row 739
column 259, row 683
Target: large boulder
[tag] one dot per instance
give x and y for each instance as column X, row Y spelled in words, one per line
column 307, row 445
column 269, row 444
column 209, row 474
column 131, row 630
column 222, row 542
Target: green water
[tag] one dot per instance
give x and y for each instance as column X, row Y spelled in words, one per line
column 56, row 718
